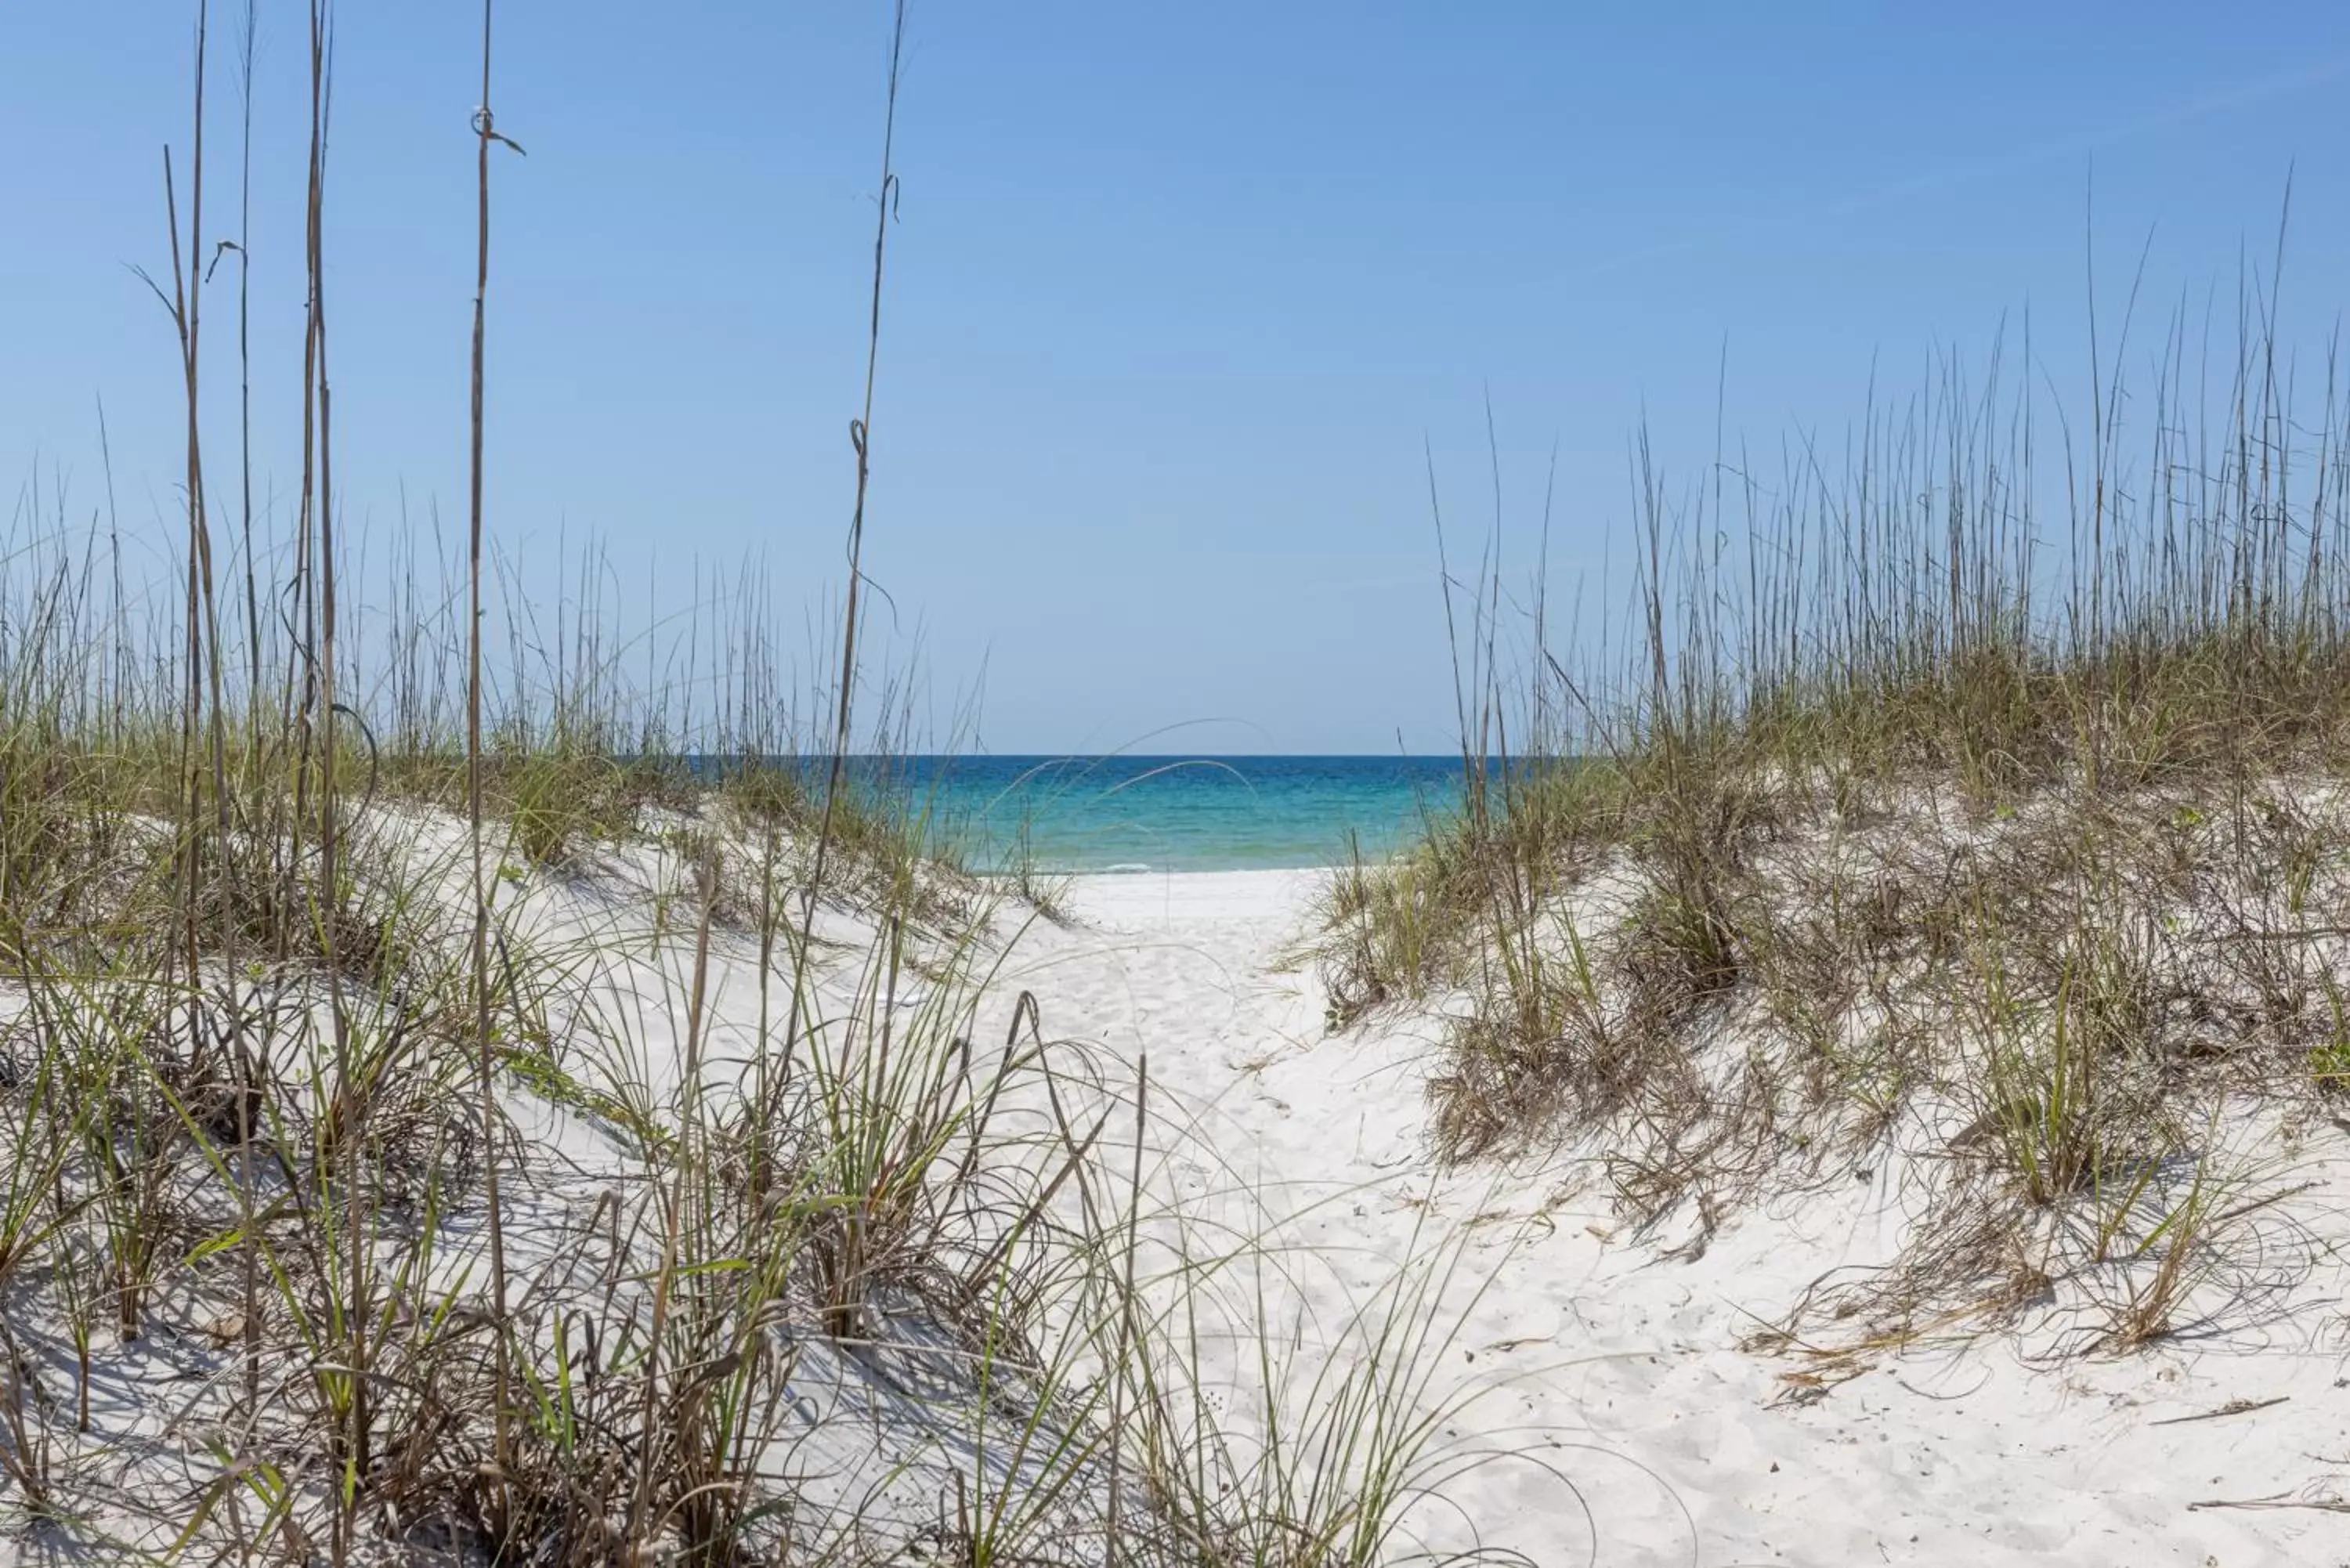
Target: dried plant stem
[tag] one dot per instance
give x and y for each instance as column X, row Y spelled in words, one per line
column 1125, row 1306
column 485, row 127
column 860, row 436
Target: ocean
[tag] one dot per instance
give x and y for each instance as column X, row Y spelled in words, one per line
column 1175, row 813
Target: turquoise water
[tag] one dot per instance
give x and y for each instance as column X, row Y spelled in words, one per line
column 1178, row 813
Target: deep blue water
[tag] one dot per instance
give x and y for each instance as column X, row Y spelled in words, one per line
column 1176, row 813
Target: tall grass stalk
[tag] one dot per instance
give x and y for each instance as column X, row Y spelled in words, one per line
column 860, row 437
column 485, row 132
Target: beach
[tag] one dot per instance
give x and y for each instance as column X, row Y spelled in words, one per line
column 1493, row 1350
column 1163, row 787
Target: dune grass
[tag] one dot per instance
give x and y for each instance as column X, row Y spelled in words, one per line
column 468, row 1105
column 1977, row 795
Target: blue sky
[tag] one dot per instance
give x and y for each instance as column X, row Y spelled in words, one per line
column 1177, row 296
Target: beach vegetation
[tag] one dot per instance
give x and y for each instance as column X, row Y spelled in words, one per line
column 1965, row 799
column 465, row 1105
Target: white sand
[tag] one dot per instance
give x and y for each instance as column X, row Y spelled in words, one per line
column 1593, row 1401
column 1643, row 1432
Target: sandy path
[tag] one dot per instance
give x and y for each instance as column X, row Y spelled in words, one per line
column 1620, row 1368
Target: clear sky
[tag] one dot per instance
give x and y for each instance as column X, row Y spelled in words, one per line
column 1177, row 296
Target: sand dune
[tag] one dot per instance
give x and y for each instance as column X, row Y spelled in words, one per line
column 1610, row 1371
